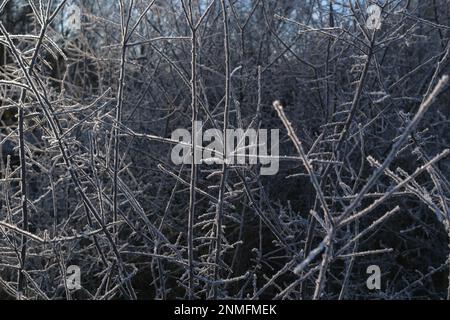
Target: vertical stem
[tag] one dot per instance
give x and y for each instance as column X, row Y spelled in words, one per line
column 219, row 211
column 23, row 191
column 447, row 229
column 119, row 105
column 23, row 164
column 193, row 181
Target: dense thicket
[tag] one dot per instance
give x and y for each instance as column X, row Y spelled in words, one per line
column 87, row 177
